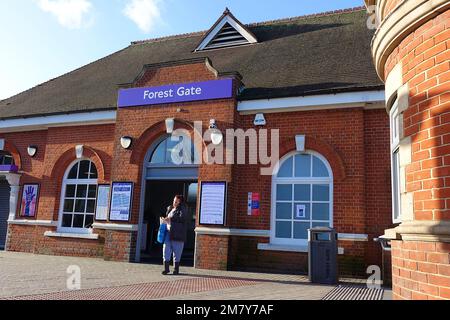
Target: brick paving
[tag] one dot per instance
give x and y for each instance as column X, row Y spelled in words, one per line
column 38, row 277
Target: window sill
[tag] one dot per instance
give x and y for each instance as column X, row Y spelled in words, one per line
column 280, row 247
column 287, row 248
column 88, row 236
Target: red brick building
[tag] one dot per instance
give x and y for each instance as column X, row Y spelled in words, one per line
column 411, row 50
column 312, row 78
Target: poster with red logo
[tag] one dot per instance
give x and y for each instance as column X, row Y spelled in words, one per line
column 253, row 208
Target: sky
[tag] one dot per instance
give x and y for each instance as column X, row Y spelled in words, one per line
column 43, row 39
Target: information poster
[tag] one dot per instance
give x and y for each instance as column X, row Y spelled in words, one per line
column 300, row 211
column 101, row 211
column 29, row 201
column 213, row 203
column 253, row 206
column 121, row 196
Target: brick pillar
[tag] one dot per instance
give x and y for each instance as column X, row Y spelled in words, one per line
column 411, row 49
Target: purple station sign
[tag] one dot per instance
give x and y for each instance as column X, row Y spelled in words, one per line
column 196, row 91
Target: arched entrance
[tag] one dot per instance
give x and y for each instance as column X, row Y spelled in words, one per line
column 169, row 170
column 6, row 160
column 4, row 211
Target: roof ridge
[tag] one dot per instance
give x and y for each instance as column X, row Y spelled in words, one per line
column 253, row 24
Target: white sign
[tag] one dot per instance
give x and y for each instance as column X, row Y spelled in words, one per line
column 212, row 204
column 101, row 211
column 121, row 201
column 300, row 212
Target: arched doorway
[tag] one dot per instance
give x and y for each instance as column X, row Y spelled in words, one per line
column 169, row 170
column 6, row 160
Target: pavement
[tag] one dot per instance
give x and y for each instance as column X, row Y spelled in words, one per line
column 37, row 277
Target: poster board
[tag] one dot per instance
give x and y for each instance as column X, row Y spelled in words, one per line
column 213, row 196
column 120, row 204
column 29, row 200
column 102, row 205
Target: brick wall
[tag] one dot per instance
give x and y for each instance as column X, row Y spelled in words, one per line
column 421, row 270
column 425, row 57
column 211, row 252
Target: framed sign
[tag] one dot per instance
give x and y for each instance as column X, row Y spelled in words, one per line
column 29, row 203
column 213, row 196
column 121, row 195
column 300, row 211
column 102, row 206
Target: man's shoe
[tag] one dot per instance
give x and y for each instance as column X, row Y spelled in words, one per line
column 166, row 268
column 176, row 270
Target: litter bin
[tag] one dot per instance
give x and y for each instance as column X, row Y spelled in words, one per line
column 323, row 253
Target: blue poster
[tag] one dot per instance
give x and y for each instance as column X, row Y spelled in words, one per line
column 121, row 201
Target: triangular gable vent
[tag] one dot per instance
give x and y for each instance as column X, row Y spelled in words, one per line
column 227, row 32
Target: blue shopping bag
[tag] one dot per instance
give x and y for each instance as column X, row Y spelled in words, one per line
column 162, row 233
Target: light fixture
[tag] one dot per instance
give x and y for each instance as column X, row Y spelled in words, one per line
column 260, row 120
column 2, row 144
column 32, row 150
column 170, row 123
column 216, row 134
column 300, row 143
column 126, row 142
column 79, row 151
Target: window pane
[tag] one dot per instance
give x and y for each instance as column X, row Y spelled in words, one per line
column 284, row 192
column 73, row 172
column 302, row 192
column 68, row 205
column 286, row 168
column 158, row 156
column 94, row 173
column 89, row 221
column 395, row 185
column 284, row 210
column 84, row 170
column 90, row 207
column 303, row 165
column 319, row 168
column 301, row 230
column 80, row 205
column 283, row 230
column 321, row 193
column 307, row 211
column 321, row 211
column 92, row 193
column 78, row 221
column 81, row 191
column 70, row 191
column 67, row 221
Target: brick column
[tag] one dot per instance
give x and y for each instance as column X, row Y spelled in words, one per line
column 411, row 49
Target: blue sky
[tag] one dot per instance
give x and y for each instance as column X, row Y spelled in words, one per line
column 43, row 39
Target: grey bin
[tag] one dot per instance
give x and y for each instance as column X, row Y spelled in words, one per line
column 323, row 253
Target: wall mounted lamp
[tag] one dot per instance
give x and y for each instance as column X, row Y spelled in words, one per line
column 32, row 150
column 216, row 134
column 126, row 142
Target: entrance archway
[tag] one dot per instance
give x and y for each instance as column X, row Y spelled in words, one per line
column 169, row 169
column 5, row 192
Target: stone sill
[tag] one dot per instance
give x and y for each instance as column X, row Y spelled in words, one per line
column 89, row 236
column 286, row 248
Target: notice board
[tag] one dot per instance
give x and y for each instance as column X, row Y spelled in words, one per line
column 213, row 196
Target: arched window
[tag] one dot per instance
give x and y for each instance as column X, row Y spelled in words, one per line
column 302, row 198
column 6, row 159
column 174, row 151
column 78, row 197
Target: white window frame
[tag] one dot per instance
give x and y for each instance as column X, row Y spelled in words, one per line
column 299, row 180
column 65, row 182
column 395, row 121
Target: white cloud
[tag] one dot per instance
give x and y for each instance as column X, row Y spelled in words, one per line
column 145, row 13
column 72, row 14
